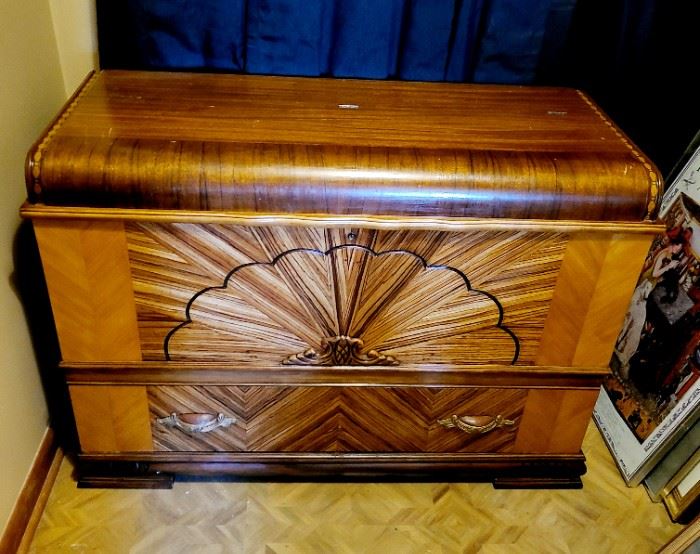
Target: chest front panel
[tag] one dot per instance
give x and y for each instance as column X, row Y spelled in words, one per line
column 263, row 295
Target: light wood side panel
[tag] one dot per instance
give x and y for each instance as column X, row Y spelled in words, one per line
column 574, row 288
column 590, row 299
column 86, row 265
column 621, row 268
column 112, row 418
column 555, row 421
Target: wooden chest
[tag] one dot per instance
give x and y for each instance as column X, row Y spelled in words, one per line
column 324, row 278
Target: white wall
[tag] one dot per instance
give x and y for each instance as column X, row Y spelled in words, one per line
column 33, row 82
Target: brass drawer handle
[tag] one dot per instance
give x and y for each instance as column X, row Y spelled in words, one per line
column 196, row 423
column 475, row 424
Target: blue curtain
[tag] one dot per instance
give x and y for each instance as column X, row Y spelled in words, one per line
column 498, row 41
column 635, row 57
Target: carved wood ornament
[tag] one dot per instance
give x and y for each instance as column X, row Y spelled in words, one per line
column 340, row 351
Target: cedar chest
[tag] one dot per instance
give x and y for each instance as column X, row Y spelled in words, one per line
column 273, row 276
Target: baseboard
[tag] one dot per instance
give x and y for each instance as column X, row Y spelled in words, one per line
column 687, row 541
column 33, row 496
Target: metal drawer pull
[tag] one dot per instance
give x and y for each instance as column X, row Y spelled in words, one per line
column 475, row 424
column 197, row 423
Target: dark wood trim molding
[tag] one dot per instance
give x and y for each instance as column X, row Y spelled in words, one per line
column 32, row 498
column 156, row 469
column 199, row 373
column 360, row 221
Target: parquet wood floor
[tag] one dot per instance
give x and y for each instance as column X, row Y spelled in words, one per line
column 301, row 518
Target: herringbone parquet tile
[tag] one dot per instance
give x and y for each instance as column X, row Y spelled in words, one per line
column 384, row 518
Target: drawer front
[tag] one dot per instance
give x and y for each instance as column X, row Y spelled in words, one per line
column 287, row 419
column 336, row 419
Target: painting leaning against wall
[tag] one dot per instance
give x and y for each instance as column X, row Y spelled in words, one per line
column 653, row 392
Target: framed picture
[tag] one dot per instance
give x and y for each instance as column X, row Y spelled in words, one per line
column 685, row 542
column 658, row 480
column 683, row 494
column 652, row 396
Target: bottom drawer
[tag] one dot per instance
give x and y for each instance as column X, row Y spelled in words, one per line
column 338, row 419
column 330, row 419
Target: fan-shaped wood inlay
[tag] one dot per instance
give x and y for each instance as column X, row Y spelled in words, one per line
column 393, row 294
column 259, row 295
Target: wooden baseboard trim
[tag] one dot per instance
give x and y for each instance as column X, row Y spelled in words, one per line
column 32, row 498
column 684, row 541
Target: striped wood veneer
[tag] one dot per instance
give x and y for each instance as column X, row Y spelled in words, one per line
column 189, row 257
column 335, row 419
column 256, row 295
column 559, row 318
column 87, row 273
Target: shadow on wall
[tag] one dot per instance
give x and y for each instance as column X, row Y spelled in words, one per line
column 27, row 281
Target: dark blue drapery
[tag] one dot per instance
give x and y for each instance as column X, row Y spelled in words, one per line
column 633, row 56
column 435, row 40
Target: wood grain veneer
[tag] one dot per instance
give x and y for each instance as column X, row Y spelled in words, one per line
column 596, row 280
column 335, row 419
column 87, row 272
column 203, row 292
column 331, row 419
column 337, row 279
column 385, row 222
column 111, row 418
column 555, row 421
column 248, row 143
column 178, row 373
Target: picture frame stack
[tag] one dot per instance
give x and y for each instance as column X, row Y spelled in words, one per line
column 675, row 479
column 681, row 496
column 648, row 410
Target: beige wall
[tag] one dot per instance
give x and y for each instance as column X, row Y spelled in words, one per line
column 32, row 89
column 76, row 38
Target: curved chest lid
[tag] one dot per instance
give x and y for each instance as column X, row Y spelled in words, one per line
column 255, row 144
